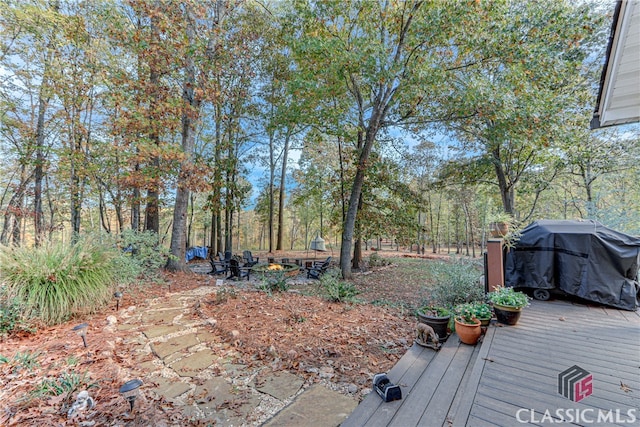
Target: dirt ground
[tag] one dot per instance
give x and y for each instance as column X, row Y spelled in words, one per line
column 298, row 331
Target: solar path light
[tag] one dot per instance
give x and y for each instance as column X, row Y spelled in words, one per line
column 130, row 391
column 81, row 330
column 118, row 296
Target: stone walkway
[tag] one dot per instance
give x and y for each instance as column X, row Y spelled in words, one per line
column 185, row 363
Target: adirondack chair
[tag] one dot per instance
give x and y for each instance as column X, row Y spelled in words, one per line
column 218, row 266
column 221, row 266
column 250, row 260
column 318, row 269
column 237, row 271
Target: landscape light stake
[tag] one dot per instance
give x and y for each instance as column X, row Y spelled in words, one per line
column 81, row 330
column 118, row 296
column 129, row 391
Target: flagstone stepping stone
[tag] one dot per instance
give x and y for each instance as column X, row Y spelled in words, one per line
column 159, row 331
column 161, row 316
column 147, row 366
column 316, row 406
column 169, row 388
column 235, row 412
column 216, row 390
column 234, row 369
column 206, row 337
column 194, row 363
column 282, row 385
column 173, row 345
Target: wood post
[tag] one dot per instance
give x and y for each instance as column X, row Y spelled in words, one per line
column 495, row 264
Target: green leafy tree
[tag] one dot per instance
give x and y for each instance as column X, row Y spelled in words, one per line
column 525, row 77
column 387, row 58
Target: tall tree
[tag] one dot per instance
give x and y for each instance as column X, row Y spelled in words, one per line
column 389, row 57
column 524, row 76
column 191, row 99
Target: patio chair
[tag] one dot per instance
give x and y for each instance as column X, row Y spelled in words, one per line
column 318, row 269
column 237, row 271
column 250, row 260
column 218, row 267
column 221, row 266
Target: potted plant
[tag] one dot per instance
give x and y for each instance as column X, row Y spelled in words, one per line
column 482, row 312
column 508, row 304
column 455, row 281
column 499, row 224
column 467, row 325
column 504, row 225
column 437, row 317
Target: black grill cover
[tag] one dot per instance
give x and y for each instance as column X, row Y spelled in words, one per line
column 581, row 258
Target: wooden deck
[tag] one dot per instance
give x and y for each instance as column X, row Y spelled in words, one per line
column 431, row 382
column 514, row 373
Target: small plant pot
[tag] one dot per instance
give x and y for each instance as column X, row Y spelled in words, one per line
column 468, row 334
column 485, row 321
column 499, row 229
column 438, row 323
column 507, row 315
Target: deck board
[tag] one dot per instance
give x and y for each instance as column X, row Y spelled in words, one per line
column 516, row 368
column 424, row 376
column 527, row 358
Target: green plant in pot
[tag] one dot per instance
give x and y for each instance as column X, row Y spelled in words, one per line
column 504, row 225
column 467, row 324
column 483, row 312
column 508, row 304
column 437, row 317
column 454, row 282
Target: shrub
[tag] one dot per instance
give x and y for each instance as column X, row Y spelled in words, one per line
column 337, row 290
column 11, row 317
column 224, row 293
column 455, row 282
column 375, row 260
column 56, row 281
column 140, row 254
column 274, row 281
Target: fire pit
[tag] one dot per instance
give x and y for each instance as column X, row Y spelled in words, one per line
column 289, row 270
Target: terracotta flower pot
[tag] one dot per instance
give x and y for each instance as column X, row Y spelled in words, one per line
column 499, row 229
column 485, row 321
column 467, row 333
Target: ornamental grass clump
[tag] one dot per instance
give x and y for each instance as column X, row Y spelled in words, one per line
column 53, row 282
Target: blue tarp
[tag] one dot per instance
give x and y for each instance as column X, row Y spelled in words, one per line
column 196, row 252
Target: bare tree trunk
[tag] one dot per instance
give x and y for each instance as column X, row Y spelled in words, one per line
column 506, row 189
column 39, row 170
column 191, row 109
column 272, row 167
column 102, row 208
column 357, row 248
column 283, row 176
column 356, row 190
column 152, row 209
